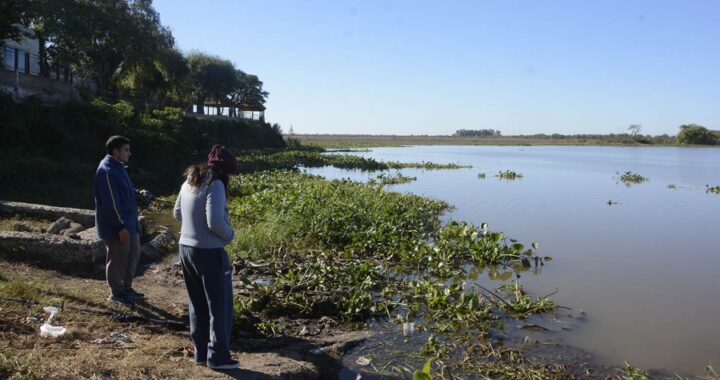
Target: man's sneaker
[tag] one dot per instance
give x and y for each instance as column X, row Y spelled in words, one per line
column 121, row 299
column 232, row 364
column 132, row 294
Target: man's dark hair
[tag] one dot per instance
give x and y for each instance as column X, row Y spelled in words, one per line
column 116, row 142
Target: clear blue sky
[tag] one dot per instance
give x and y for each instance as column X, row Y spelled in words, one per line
column 432, row 67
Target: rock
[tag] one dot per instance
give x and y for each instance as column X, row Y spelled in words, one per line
column 156, row 248
column 52, row 250
column 23, row 227
column 59, row 225
column 84, row 217
column 89, row 234
column 74, row 229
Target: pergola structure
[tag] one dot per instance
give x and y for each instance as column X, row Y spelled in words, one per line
column 214, row 108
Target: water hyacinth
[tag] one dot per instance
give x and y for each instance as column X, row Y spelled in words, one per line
column 352, row 251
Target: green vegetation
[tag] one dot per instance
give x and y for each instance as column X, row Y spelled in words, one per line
column 630, row 178
column 713, row 189
column 633, row 373
column 27, row 289
column 353, row 251
column 508, row 175
column 383, row 179
column 49, row 154
column 481, row 175
column 290, row 159
column 697, row 135
column 123, row 48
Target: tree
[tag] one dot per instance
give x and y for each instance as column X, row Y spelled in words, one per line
column 634, row 129
column 152, row 66
column 211, row 77
column 696, row 134
column 11, row 12
column 103, row 38
column 247, row 92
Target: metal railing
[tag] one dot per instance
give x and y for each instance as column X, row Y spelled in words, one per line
column 15, row 59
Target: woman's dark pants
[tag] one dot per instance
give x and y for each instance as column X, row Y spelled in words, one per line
column 208, row 279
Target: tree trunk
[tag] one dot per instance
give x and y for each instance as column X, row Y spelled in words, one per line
column 42, row 52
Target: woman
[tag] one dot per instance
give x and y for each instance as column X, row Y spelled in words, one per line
column 201, row 206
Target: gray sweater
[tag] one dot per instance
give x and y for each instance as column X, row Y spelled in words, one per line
column 204, row 216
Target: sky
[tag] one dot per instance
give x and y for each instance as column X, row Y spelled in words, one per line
column 433, row 67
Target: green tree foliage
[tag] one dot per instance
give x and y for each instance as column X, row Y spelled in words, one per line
column 11, row 12
column 122, row 45
column 105, row 39
column 211, row 77
column 248, row 91
column 153, row 66
column 696, row 135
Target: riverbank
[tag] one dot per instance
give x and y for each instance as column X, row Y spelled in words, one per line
column 317, row 259
column 370, row 141
column 324, row 340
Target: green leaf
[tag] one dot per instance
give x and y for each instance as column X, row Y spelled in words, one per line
column 421, row 376
column 426, row 368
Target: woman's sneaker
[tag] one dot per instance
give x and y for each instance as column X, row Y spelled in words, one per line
column 232, row 364
column 132, row 294
column 121, row 299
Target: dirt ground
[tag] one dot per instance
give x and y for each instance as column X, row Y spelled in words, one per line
column 110, row 341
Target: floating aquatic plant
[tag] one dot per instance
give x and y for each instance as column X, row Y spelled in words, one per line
column 508, row 175
column 630, row 178
column 388, row 179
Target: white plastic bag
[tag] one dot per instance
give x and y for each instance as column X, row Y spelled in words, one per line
column 48, row 330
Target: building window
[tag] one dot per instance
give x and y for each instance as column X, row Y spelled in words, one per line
column 21, row 61
column 9, row 58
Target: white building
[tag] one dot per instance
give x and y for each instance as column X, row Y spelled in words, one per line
column 21, row 76
column 23, row 55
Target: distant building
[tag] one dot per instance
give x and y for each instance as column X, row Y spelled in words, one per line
column 220, row 110
column 21, row 74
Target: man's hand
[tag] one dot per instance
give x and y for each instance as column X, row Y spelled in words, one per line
column 144, row 198
column 124, row 236
column 146, row 194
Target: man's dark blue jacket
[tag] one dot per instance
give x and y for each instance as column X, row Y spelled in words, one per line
column 115, row 206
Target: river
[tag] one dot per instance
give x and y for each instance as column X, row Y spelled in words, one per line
column 641, row 260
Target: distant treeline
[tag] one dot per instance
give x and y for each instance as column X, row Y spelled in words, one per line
column 692, row 134
column 476, row 133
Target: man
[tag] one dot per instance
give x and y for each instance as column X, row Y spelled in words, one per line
column 116, row 221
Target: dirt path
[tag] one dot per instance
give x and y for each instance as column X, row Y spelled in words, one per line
column 149, row 350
